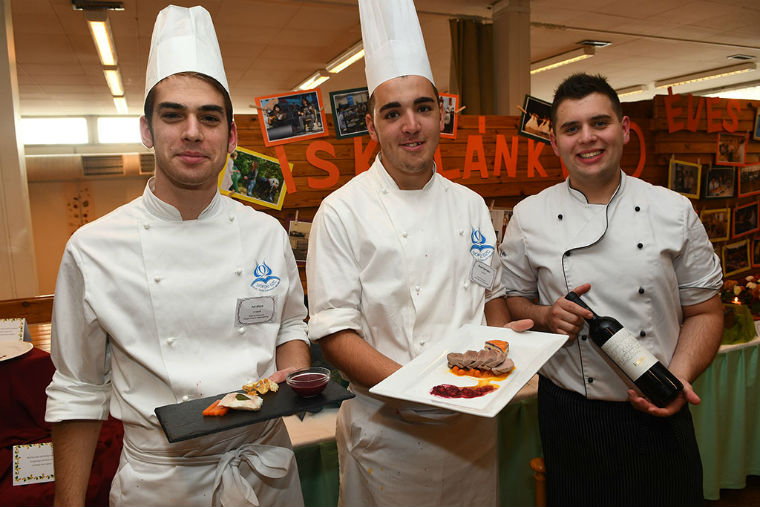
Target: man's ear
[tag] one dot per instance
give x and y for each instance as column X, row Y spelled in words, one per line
column 145, row 134
column 232, row 139
column 371, row 128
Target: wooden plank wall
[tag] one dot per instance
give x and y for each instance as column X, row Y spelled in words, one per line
column 475, row 148
column 471, row 158
column 700, row 147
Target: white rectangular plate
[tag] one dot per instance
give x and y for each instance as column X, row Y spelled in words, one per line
column 529, row 350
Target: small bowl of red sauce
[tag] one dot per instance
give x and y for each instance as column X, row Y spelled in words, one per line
column 308, row 382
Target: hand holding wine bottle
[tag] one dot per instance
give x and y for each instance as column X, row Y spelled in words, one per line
column 566, row 317
column 649, row 375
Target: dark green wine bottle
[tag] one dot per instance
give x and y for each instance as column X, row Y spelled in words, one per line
column 648, row 374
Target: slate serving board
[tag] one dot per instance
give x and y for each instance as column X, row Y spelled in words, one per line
column 183, row 421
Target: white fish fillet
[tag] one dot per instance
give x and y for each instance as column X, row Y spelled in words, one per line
column 240, row 401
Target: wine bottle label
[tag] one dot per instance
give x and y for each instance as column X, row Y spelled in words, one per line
column 626, row 351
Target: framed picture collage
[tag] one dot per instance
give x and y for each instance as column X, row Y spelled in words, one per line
column 728, row 192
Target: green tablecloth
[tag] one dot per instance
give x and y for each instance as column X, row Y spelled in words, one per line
column 727, row 422
column 519, row 441
column 727, row 425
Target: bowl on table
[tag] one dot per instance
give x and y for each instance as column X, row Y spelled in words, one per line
column 308, row 382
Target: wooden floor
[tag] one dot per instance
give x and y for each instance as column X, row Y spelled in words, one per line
column 749, row 496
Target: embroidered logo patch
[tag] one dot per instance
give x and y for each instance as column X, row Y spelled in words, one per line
column 479, row 249
column 264, row 280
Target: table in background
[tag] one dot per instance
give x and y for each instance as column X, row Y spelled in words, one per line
column 727, row 422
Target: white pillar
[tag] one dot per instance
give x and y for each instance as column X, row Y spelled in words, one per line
column 511, row 41
column 18, row 268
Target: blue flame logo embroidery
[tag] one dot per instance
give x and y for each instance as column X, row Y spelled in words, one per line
column 479, row 249
column 264, row 280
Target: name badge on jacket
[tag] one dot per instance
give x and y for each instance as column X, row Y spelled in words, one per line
column 482, row 274
column 254, row 310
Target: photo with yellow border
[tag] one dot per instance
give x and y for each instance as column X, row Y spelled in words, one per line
column 253, row 177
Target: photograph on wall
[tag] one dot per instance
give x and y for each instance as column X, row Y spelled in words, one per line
column 745, row 219
column 349, row 109
column 298, row 233
column 450, row 104
column 749, row 180
column 718, row 181
column 500, row 218
column 684, row 178
column 536, row 119
column 732, row 149
column 736, row 257
column 756, row 252
column 756, row 132
column 717, row 223
column 253, row 177
column 289, row 117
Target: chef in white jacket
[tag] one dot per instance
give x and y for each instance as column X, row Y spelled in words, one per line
column 397, row 257
column 638, row 253
column 179, row 294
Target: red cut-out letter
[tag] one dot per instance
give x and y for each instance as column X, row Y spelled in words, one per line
column 290, row 183
column 362, row 155
column 534, row 151
column 504, row 154
column 733, row 107
column 333, row 173
column 692, row 119
column 642, row 150
column 671, row 112
column 475, row 147
column 446, row 173
column 713, row 113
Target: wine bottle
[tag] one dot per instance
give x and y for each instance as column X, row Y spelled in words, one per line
column 653, row 379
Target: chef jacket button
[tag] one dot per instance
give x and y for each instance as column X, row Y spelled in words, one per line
column 640, row 246
column 559, row 216
column 590, row 380
column 404, row 234
column 584, row 337
column 238, row 271
column 461, row 232
column 170, row 341
column 157, row 279
column 637, row 208
column 641, row 290
column 146, row 226
column 466, row 285
column 417, row 288
column 643, row 333
column 232, row 218
column 241, row 330
column 185, row 398
column 385, row 191
column 422, row 342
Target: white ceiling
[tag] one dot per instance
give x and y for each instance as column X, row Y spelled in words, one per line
column 271, row 46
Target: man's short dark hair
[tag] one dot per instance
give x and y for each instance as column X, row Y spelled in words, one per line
column 371, row 101
column 150, row 100
column 582, row 85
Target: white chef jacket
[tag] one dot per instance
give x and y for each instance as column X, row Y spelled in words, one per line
column 152, row 310
column 646, row 254
column 395, row 266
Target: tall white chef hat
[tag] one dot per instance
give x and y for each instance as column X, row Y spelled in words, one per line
column 393, row 43
column 184, row 40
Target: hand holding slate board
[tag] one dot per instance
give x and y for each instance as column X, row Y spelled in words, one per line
column 183, row 421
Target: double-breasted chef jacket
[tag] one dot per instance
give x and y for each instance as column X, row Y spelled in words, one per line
column 397, row 267
column 152, row 310
column 646, row 254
